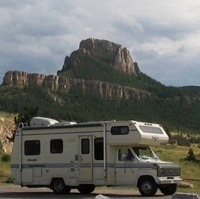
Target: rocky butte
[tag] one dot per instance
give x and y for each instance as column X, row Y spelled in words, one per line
column 103, row 50
column 106, row 51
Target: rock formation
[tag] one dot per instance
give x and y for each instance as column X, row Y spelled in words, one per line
column 62, row 83
column 6, row 128
column 103, row 50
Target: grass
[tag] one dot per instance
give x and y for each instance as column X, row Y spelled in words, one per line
column 190, row 171
column 5, row 172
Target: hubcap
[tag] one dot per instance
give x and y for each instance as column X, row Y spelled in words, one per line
column 146, row 187
column 60, row 186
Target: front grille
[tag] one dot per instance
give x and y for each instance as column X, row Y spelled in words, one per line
column 169, row 170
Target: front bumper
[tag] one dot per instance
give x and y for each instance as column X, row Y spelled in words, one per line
column 169, row 180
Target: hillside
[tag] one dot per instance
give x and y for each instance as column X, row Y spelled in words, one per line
column 100, row 81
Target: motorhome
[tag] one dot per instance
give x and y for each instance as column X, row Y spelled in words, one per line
column 70, row 155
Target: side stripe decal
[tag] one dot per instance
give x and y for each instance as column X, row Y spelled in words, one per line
column 84, row 165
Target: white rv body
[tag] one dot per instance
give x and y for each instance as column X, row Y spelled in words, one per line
column 85, row 155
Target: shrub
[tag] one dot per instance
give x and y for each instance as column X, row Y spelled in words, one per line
column 1, row 148
column 191, row 156
column 5, row 157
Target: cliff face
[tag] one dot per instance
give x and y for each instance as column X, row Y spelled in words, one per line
column 106, row 51
column 62, row 83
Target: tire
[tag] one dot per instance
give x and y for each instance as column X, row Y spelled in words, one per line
column 58, row 186
column 168, row 189
column 86, row 189
column 67, row 189
column 147, row 187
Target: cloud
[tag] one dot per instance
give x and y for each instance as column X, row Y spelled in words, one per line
column 163, row 36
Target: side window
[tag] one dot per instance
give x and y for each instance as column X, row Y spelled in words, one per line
column 125, row 154
column 56, row 146
column 85, row 146
column 32, row 147
column 151, row 129
column 98, row 149
column 119, row 130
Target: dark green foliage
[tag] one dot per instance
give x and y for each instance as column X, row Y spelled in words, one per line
column 191, row 156
column 1, row 148
column 5, row 157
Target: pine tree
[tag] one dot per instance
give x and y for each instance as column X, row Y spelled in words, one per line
column 191, row 156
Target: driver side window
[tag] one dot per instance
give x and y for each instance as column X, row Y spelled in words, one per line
column 125, row 154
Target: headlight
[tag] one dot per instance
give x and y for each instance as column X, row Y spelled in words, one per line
column 161, row 171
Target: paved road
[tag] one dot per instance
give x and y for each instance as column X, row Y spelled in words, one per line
column 12, row 191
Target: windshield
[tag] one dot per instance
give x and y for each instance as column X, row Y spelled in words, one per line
column 145, row 153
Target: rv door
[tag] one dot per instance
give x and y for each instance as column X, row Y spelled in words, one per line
column 85, row 159
column 31, row 151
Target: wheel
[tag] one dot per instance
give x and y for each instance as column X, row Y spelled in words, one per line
column 86, row 189
column 168, row 189
column 147, row 187
column 59, row 186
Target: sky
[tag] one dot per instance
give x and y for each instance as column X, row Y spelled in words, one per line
column 162, row 36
